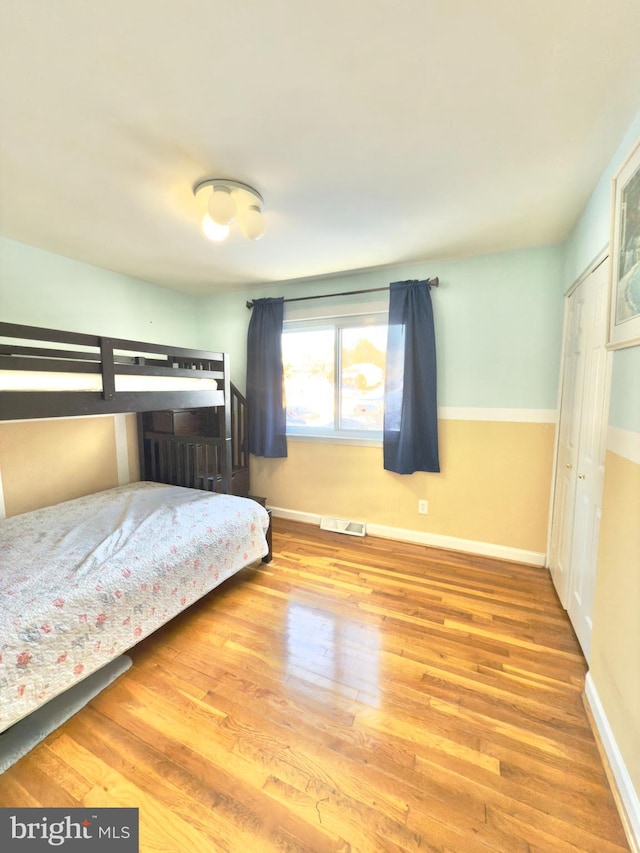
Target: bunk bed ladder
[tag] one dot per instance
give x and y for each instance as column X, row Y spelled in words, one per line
column 239, row 442
column 201, row 449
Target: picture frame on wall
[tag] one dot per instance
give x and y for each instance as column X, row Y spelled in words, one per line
column 624, row 306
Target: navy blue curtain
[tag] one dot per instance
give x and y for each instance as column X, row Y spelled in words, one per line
column 410, row 441
column 265, row 379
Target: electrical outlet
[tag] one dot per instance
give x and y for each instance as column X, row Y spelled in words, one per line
column 423, row 507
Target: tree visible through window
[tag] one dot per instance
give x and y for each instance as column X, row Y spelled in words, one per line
column 334, row 376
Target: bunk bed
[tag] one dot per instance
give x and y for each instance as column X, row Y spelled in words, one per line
column 83, row 581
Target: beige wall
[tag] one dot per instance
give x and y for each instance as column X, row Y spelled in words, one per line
column 494, row 486
column 43, row 462
column 615, row 645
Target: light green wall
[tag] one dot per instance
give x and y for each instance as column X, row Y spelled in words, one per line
column 592, row 231
column 624, row 411
column 498, row 323
column 38, row 288
column 499, row 330
column 589, row 237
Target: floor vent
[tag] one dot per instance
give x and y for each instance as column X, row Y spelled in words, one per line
column 343, row 525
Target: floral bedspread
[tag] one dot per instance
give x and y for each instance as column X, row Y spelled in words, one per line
column 83, row 581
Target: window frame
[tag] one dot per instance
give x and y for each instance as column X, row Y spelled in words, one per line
column 336, row 435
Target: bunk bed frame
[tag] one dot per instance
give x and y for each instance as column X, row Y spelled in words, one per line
column 196, row 461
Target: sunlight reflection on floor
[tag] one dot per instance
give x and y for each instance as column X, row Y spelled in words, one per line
column 335, row 653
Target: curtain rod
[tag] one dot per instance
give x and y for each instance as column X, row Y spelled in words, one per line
column 432, row 282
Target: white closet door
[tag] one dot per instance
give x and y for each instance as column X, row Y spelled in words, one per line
column 568, row 442
column 581, row 452
column 591, row 456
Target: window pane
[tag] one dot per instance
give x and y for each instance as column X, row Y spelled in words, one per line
column 362, row 378
column 309, row 377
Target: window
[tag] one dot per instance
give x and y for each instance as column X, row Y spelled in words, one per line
column 334, row 376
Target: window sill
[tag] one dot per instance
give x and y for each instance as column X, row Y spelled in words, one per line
column 355, row 441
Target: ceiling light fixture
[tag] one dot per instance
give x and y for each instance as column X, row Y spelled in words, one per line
column 224, row 202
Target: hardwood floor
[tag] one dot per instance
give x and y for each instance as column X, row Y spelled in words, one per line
column 352, row 695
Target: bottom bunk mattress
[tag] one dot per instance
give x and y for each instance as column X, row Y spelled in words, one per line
column 83, row 581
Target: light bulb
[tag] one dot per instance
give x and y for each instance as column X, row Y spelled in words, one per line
column 216, row 233
column 222, row 206
column 252, row 223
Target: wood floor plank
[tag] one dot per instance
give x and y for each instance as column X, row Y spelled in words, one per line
column 353, row 696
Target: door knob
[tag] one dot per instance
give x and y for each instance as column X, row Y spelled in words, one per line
column 581, row 476
column 569, row 465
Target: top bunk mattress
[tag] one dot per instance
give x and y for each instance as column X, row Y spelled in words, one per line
column 55, row 373
column 83, row 581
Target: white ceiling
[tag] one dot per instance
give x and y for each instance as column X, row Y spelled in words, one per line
column 378, row 132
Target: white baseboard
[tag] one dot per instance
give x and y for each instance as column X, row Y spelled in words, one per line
column 627, row 793
column 451, row 543
column 294, row 515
